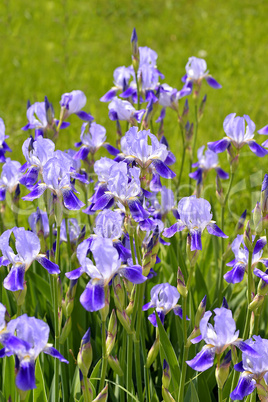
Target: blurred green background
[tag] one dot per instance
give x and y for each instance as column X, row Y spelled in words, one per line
column 52, row 47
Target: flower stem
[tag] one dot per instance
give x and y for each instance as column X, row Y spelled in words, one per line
column 185, row 349
column 104, row 355
column 56, row 317
column 194, row 143
column 219, row 394
column 220, row 286
column 183, row 158
column 86, row 392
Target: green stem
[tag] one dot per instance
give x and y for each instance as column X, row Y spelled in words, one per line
column 104, row 356
column 183, row 158
column 86, row 392
column 220, row 395
column 185, row 349
column 194, row 143
column 129, row 367
column 123, row 364
column 249, row 289
column 56, row 316
column 220, row 286
column 68, row 242
column 131, row 239
column 18, row 311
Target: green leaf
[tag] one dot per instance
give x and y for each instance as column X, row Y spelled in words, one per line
column 169, row 355
column 8, row 384
column 191, row 395
column 41, row 285
column 95, row 374
column 76, row 385
column 39, row 394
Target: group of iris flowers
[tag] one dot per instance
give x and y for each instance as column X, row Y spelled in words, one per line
column 108, row 259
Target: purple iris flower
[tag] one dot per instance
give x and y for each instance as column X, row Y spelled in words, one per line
column 196, row 71
column 108, row 264
column 195, row 215
column 217, row 338
column 239, row 131
column 28, row 250
column 206, row 162
column 76, row 233
column 122, row 76
column 36, row 153
column 10, row 177
column 136, row 145
column 56, row 176
column 161, row 209
column 123, row 186
column 264, row 131
column 38, row 222
column 240, row 263
column 123, row 110
column 3, row 145
column 73, row 103
column 169, row 97
column 164, row 298
column 254, row 370
column 26, row 346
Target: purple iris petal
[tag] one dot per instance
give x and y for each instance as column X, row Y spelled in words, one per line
column 222, row 174
column 84, row 116
column 239, row 367
column 30, row 178
column 203, row 360
column 138, row 115
column 75, row 274
column 259, row 245
column 37, row 191
column 197, row 175
column 169, row 232
column 4, row 261
column 219, row 146
column 112, row 150
column 128, row 92
column 82, row 153
column 14, row 280
column 260, row 274
column 70, row 200
column 178, row 311
column 257, row 149
column 25, row 379
column 124, row 253
column 155, row 184
column 49, row 350
column 50, row 266
column 133, row 274
column 212, row 82
column 2, row 194
column 109, row 95
column 152, row 318
column 102, row 202
column 245, row 386
column 197, row 339
column 236, row 275
column 196, row 243
column 263, row 130
column 137, row 211
column 213, row 229
column 170, row 159
column 162, row 169
column 93, row 297
column 245, row 348
column 147, row 306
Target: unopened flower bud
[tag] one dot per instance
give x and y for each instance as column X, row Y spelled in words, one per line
column 125, row 321
column 240, row 224
column 181, row 284
column 66, row 330
column 103, row 395
column 257, row 219
column 135, row 51
column 192, row 255
column 115, row 365
column 256, row 302
column 194, row 334
column 263, row 286
column 49, row 111
column 119, row 293
column 84, row 358
column 20, row 295
column 248, row 237
column 200, row 311
column 105, row 310
column 202, row 107
column 130, row 305
column 185, row 108
column 112, row 330
column 223, row 371
column 166, row 374
column 153, row 352
column 167, row 397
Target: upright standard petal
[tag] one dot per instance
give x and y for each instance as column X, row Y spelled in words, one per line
column 93, row 297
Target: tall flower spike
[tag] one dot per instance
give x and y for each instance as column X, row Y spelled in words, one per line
column 28, row 248
column 194, row 215
column 239, row 131
column 108, row 264
column 164, row 298
column 217, row 338
column 240, row 263
column 26, row 346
